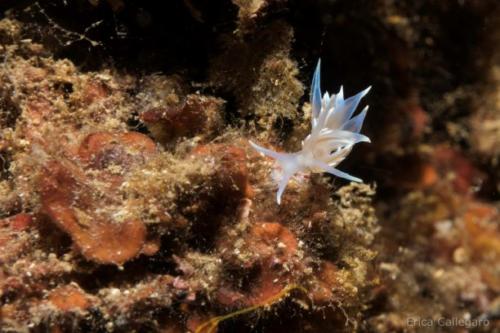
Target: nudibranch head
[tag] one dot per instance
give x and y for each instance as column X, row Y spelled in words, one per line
column 334, row 131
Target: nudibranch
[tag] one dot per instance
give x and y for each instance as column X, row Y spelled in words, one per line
column 334, row 131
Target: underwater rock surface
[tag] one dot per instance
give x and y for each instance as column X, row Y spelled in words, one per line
column 131, row 200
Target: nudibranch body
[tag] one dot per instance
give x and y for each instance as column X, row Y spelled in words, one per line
column 333, row 134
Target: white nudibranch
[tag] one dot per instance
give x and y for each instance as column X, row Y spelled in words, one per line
column 333, row 134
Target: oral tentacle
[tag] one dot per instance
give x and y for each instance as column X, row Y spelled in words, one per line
column 265, row 151
column 282, row 186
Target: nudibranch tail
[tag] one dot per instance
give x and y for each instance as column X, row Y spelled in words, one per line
column 282, row 186
column 287, row 162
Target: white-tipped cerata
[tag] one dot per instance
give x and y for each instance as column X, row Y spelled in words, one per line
column 334, row 131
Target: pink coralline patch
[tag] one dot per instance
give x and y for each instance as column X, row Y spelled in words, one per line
column 94, row 91
column 231, row 162
column 19, row 222
column 98, row 238
column 272, row 250
column 83, row 211
column 69, row 298
column 265, row 238
column 101, row 150
column 323, row 292
column 11, row 242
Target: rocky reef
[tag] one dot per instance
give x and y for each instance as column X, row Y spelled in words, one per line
column 131, row 200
